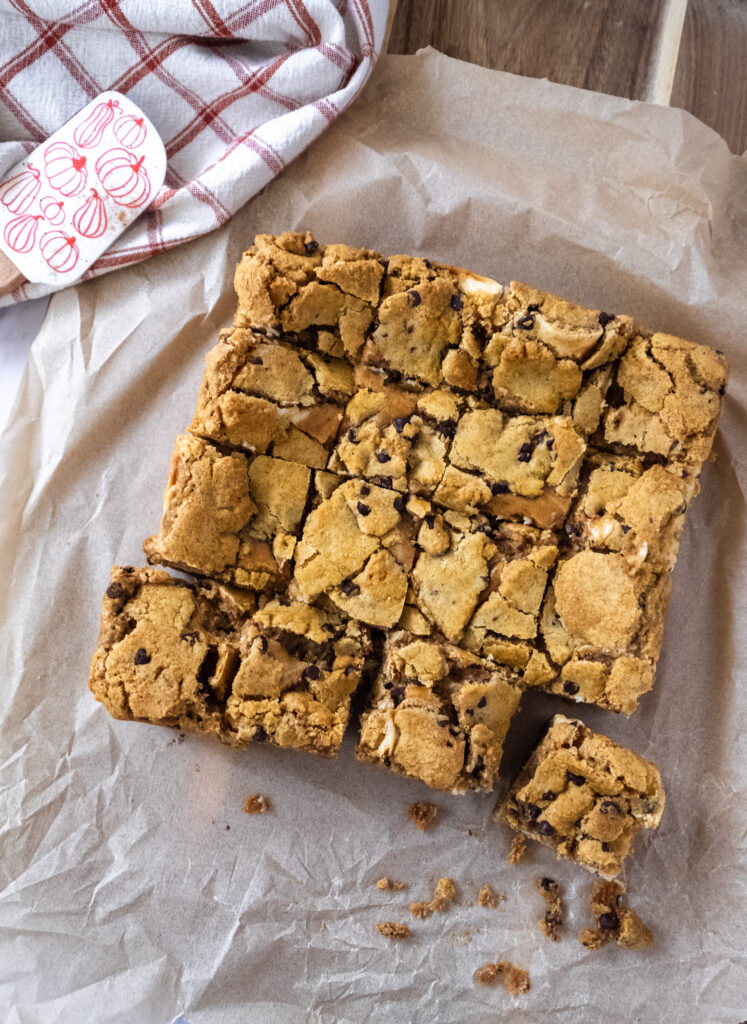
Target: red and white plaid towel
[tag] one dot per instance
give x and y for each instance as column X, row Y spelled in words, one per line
column 236, row 90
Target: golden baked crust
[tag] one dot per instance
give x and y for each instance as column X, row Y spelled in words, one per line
column 585, row 796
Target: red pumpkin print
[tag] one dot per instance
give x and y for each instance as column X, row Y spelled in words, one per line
column 19, row 192
column 90, row 219
column 65, row 169
column 20, row 233
column 59, row 250
column 123, row 177
column 130, row 131
column 89, row 132
column 52, row 209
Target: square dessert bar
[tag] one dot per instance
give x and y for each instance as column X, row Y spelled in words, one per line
column 438, row 713
column 200, row 658
column 584, row 796
column 230, row 516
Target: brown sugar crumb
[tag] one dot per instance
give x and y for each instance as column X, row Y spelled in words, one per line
column 256, row 804
column 552, row 922
column 515, row 980
column 517, row 851
column 392, row 930
column 488, row 897
column 423, row 814
column 614, row 921
column 388, row 884
column 443, row 897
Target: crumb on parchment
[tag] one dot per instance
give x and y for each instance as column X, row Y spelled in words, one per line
column 392, row 930
column 552, row 922
column 488, row 897
column 515, row 980
column 614, row 922
column 443, row 897
column 517, row 851
column 389, row 885
column 423, row 814
column 255, row 803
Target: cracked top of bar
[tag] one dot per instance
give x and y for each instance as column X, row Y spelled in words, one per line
column 428, row 325
column 585, row 796
column 203, row 658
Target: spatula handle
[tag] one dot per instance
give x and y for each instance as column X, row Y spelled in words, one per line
column 10, row 276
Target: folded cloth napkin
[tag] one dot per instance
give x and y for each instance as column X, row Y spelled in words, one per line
column 236, row 90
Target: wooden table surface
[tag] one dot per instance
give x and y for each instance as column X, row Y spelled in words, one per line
column 689, row 53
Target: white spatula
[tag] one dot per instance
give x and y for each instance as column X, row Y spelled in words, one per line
column 65, row 204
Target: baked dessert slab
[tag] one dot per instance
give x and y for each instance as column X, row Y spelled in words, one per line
column 202, row 658
column 585, row 796
column 438, row 713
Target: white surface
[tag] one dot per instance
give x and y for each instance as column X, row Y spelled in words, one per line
column 19, row 325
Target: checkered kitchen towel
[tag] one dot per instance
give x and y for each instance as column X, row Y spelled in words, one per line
column 236, row 88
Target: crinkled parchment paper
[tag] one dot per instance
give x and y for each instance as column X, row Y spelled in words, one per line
column 133, row 887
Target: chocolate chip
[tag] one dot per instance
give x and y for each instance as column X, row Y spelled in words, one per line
column 141, row 656
column 548, row 795
column 191, row 638
column 128, row 568
column 532, row 811
column 259, row 735
column 350, row 669
column 722, row 389
column 625, row 528
column 365, row 490
column 383, row 457
column 398, row 695
column 482, row 702
column 545, row 829
column 615, row 396
column 456, row 302
column 311, row 247
column 399, row 504
column 500, row 488
column 604, row 318
column 400, row 423
column 349, row 588
column 570, row 687
column 311, row 672
column 549, row 884
column 413, row 297
column 447, row 428
column 526, row 451
column 606, row 847
column 256, row 361
column 609, row 921
column 526, row 323
column 608, row 807
column 577, row 780
column 363, row 509
column 114, row 590
column 430, row 521
column 386, row 481
column 351, row 436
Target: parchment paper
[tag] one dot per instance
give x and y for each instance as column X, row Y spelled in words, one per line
column 133, row 886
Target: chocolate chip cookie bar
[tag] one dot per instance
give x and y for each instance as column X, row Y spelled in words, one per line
column 438, row 713
column 202, row 658
column 585, row 796
column 230, row 516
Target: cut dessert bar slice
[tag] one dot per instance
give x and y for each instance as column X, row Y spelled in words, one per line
column 270, row 398
column 230, row 516
column 356, row 549
column 522, row 350
column 200, row 659
column 584, row 796
column 438, row 713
